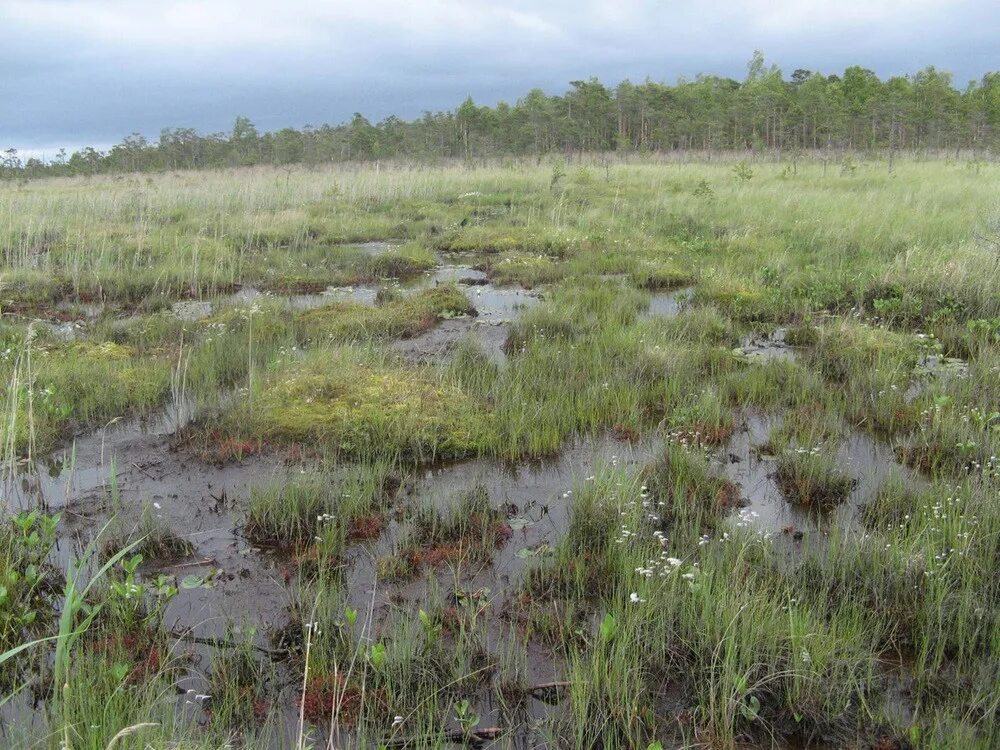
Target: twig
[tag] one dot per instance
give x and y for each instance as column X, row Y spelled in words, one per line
column 475, row 737
column 274, row 653
column 537, row 691
column 139, row 468
column 195, row 563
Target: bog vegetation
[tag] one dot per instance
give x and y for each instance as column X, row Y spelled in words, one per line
column 599, row 454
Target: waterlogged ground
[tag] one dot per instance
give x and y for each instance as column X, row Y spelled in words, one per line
column 503, row 459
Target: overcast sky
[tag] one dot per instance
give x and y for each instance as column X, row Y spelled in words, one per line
column 75, row 72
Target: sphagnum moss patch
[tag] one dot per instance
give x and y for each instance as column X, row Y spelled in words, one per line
column 397, row 317
column 353, row 403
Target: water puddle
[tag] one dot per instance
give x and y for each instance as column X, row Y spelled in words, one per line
column 743, row 461
column 537, row 496
column 935, row 367
column 496, row 306
column 64, row 332
column 94, row 462
column 667, row 304
column 128, row 468
column 202, row 503
column 376, row 247
column 194, row 310
column 767, row 348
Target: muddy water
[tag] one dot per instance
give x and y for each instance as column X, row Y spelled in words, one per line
column 202, row 503
column 496, row 308
column 667, row 304
column 869, row 462
column 128, row 466
column 537, row 497
column 767, row 348
column 192, row 310
column 935, row 368
column 376, row 247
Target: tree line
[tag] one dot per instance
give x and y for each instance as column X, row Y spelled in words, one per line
column 766, row 111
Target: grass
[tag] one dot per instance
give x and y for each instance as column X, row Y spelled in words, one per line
column 812, row 479
column 399, row 317
column 467, row 533
column 637, row 604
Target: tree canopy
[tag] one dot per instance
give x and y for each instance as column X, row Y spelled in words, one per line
column 764, row 111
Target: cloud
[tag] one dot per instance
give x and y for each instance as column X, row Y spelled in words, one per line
column 79, row 71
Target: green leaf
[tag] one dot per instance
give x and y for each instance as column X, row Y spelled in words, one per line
column 609, row 627
column 376, row 655
column 518, row 522
column 750, row 709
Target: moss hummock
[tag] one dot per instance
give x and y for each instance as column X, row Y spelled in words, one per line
column 357, row 404
column 401, row 317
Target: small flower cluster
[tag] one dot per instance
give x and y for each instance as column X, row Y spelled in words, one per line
column 196, row 697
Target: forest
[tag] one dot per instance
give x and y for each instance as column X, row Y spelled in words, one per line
column 924, row 112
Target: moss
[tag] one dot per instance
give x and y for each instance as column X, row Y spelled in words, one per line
column 397, row 317
column 83, row 384
column 397, row 265
column 104, row 350
column 660, row 276
column 495, row 241
column 358, row 406
column 746, row 302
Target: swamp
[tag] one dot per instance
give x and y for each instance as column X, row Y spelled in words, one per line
column 630, row 454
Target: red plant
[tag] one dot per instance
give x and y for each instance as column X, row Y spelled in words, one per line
column 365, row 528
column 624, row 432
column 146, row 657
column 326, row 692
column 728, row 496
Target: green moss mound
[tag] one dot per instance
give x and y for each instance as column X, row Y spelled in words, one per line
column 357, row 405
column 402, row 317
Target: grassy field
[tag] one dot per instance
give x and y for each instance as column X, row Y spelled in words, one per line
column 648, row 455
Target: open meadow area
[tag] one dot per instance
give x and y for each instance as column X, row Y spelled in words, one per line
column 589, row 454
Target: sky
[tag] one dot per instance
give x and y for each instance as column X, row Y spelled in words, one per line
column 89, row 72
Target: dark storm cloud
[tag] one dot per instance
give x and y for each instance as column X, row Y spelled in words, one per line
column 90, row 71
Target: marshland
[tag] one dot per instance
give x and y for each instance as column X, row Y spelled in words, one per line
column 597, row 453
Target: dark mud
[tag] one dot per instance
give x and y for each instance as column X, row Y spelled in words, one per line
column 131, row 467
column 537, row 498
column 125, row 468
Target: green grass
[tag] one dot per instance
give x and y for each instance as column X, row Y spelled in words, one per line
column 401, row 317
column 639, row 599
